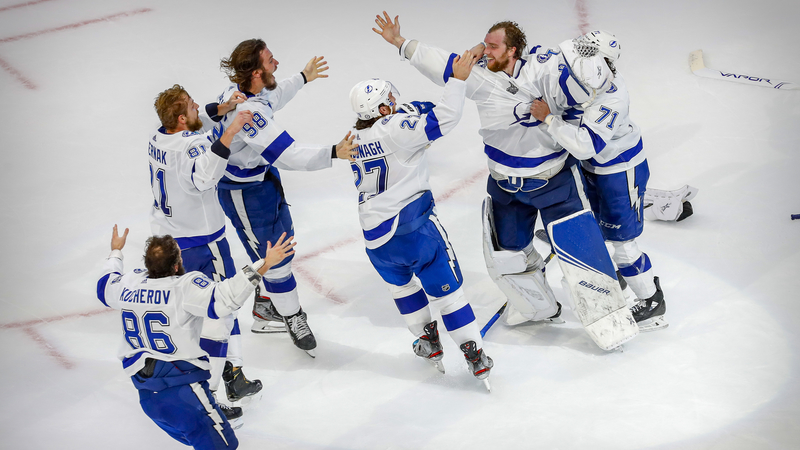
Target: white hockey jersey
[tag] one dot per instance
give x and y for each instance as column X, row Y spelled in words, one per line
column 162, row 318
column 266, row 143
column 391, row 168
column 603, row 136
column 513, row 142
column 184, row 173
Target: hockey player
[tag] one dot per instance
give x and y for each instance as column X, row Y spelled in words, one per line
column 251, row 193
column 162, row 309
column 596, row 126
column 184, row 172
column 530, row 174
column 403, row 235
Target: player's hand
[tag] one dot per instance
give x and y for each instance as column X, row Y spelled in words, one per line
column 230, row 105
column 478, row 50
column 462, row 65
column 389, row 30
column 277, row 253
column 314, row 69
column 347, row 149
column 539, row 110
column 242, row 118
column 117, row 241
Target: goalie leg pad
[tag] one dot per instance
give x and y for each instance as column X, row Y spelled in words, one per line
column 591, row 277
column 527, row 290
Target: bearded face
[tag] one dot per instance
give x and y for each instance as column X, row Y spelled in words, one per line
column 498, row 64
column 269, row 80
column 194, row 124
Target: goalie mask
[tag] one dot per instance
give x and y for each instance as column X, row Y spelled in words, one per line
column 367, row 97
column 601, row 42
column 583, row 77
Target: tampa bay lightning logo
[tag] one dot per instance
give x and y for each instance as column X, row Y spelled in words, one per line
column 612, row 44
column 368, row 89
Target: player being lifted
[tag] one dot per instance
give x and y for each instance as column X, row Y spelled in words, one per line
column 595, row 125
column 251, row 193
column 530, row 174
column 162, row 308
column 184, row 172
column 403, row 235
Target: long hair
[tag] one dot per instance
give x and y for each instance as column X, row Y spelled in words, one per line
column 245, row 59
column 161, row 255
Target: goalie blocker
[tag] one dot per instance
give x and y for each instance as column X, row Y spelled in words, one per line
column 596, row 297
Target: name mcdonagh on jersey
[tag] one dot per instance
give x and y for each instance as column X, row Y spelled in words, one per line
column 157, row 154
column 150, row 296
column 371, row 149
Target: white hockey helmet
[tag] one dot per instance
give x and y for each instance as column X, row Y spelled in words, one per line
column 583, row 77
column 601, row 42
column 367, row 97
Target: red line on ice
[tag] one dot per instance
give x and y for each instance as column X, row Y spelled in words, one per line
column 583, row 16
column 17, row 74
column 61, row 359
column 74, row 25
column 22, row 5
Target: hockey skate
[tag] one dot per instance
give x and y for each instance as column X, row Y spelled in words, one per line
column 232, row 413
column 237, row 386
column 478, row 362
column 297, row 327
column 649, row 313
column 428, row 346
column 266, row 317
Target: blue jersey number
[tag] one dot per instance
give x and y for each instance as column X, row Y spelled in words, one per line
column 606, row 112
column 160, row 191
column 377, row 167
column 156, row 340
column 259, row 121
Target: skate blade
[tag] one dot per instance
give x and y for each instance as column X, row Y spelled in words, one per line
column 487, row 385
column 268, row 327
column 312, row 353
column 438, row 365
column 236, row 423
column 653, row 324
column 245, row 402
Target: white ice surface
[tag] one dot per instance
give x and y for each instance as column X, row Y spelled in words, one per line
column 77, row 111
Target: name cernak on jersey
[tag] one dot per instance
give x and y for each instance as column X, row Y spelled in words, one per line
column 157, row 154
column 370, row 149
column 150, row 296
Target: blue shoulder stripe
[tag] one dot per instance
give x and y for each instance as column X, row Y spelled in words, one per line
column 432, row 129
column 101, row 287
column 277, row 147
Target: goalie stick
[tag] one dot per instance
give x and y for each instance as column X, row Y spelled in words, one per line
column 699, row 68
column 503, row 308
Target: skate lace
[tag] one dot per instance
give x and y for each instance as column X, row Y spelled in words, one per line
column 299, row 326
column 637, row 308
